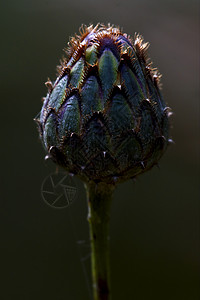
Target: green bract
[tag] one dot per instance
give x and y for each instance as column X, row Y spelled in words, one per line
column 104, row 118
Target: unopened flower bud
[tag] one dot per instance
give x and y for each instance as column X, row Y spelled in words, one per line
column 104, row 117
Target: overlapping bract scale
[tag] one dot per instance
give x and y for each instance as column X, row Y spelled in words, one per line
column 104, row 117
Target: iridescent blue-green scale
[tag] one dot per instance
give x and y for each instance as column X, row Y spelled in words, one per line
column 136, row 64
column 108, row 67
column 119, row 116
column 90, row 95
column 140, row 75
column 49, row 133
column 97, row 145
column 96, row 137
column 58, row 94
column 77, row 73
column 155, row 97
column 77, row 150
column 91, row 55
column 128, row 151
column 133, row 89
column 69, row 117
column 72, row 149
column 44, row 113
column 147, row 131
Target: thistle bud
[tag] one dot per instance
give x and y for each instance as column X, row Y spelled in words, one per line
column 104, row 117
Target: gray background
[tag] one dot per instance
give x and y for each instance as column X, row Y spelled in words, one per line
column 154, row 226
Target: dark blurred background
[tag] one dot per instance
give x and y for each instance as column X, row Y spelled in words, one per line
column 154, row 226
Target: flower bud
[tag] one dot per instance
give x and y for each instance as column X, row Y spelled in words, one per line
column 104, row 117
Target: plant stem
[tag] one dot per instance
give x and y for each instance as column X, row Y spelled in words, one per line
column 99, row 196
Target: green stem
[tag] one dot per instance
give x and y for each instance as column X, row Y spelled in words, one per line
column 99, row 196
